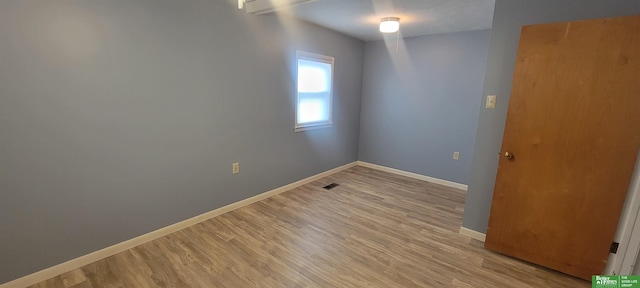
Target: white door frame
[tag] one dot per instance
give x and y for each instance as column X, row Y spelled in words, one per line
column 628, row 233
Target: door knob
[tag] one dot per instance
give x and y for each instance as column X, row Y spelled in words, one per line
column 508, row 155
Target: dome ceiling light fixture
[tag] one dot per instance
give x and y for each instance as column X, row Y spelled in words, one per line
column 389, row 24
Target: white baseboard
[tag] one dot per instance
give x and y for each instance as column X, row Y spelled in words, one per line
column 76, row 263
column 473, row 234
column 414, row 175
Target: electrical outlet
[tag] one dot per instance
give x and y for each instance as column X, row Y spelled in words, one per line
column 456, row 155
column 491, row 102
column 235, row 168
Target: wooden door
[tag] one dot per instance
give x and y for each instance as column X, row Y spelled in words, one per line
column 573, row 128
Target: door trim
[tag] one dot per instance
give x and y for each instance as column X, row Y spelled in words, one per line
column 628, row 233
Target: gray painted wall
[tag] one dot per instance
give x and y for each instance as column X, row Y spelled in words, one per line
column 508, row 19
column 419, row 105
column 121, row 117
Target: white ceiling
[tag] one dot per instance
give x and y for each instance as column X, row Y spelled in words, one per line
column 360, row 18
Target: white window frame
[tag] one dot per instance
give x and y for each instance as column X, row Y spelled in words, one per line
column 320, row 124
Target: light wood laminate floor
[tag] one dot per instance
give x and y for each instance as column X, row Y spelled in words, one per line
column 374, row 230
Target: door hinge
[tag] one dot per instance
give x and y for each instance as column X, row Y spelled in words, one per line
column 614, row 247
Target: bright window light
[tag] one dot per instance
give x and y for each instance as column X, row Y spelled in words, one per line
column 314, row 91
column 312, row 110
column 313, row 76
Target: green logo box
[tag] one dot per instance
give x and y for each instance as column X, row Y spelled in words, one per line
column 615, row 281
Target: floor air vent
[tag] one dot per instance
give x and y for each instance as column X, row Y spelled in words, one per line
column 330, row 186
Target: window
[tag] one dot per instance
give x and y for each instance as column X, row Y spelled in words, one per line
column 314, row 91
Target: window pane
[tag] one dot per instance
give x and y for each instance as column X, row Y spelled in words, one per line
column 314, row 91
column 313, row 107
column 313, row 76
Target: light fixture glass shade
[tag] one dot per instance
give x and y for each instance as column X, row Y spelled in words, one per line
column 389, row 24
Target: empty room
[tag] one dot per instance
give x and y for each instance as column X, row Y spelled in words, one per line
column 319, row 143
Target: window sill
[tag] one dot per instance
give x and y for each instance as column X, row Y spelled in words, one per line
column 312, row 127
